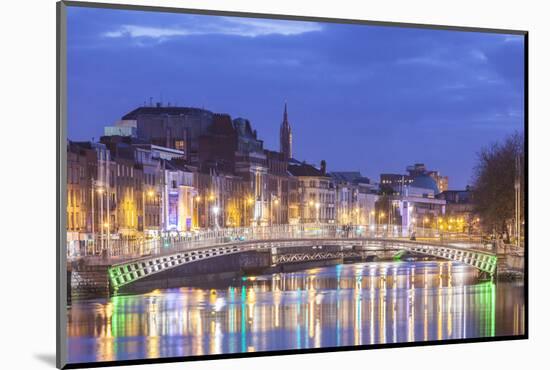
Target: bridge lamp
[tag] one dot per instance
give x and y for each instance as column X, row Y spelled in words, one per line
column 249, row 200
column 100, row 190
column 150, row 193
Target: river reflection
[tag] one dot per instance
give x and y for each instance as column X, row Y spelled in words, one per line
column 364, row 303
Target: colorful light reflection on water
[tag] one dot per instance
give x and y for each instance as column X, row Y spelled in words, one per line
column 364, row 303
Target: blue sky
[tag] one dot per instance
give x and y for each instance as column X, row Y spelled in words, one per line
column 366, row 98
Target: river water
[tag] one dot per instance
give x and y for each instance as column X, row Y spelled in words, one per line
column 342, row 305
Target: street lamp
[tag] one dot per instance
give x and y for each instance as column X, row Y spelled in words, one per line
column 311, row 204
column 106, row 225
column 216, row 211
column 276, row 203
column 381, row 215
column 424, row 220
column 317, row 207
column 100, row 190
column 197, row 207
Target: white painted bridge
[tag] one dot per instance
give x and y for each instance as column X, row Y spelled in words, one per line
column 149, row 259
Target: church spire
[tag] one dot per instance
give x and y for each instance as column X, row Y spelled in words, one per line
column 286, row 136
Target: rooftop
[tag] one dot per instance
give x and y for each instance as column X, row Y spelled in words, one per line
column 305, row 169
column 350, row 176
column 161, row 110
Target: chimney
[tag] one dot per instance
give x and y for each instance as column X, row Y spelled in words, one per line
column 323, row 167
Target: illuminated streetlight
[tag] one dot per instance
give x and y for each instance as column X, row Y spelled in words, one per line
column 215, row 211
column 317, row 206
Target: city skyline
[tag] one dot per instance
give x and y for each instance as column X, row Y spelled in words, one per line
column 238, row 186
column 443, row 91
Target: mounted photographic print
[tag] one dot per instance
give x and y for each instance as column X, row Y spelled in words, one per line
column 234, row 184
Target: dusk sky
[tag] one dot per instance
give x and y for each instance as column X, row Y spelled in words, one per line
column 367, row 98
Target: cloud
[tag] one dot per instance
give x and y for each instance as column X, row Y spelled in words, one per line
column 513, row 38
column 478, row 55
column 423, row 60
column 225, row 26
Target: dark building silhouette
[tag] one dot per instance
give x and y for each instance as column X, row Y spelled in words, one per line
column 172, row 127
column 218, row 146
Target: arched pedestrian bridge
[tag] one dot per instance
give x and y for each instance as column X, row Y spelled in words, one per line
column 324, row 242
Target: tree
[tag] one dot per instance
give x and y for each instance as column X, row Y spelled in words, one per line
column 494, row 180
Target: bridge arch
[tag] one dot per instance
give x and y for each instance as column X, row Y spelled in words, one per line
column 128, row 272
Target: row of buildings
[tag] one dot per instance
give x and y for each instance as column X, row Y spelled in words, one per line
column 163, row 169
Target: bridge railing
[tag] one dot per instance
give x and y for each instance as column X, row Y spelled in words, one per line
column 122, row 249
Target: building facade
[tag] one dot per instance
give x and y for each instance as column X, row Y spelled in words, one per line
column 355, row 198
column 316, row 192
